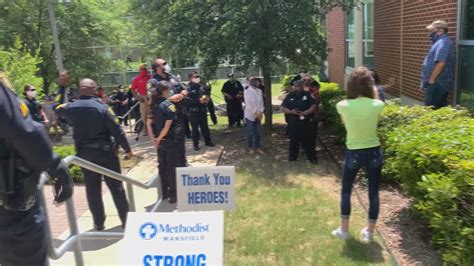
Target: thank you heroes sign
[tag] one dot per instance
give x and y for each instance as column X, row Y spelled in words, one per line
column 206, row 188
column 174, row 239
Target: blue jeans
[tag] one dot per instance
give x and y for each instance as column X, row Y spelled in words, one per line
column 372, row 160
column 436, row 96
column 252, row 131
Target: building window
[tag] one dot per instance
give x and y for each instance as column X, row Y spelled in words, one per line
column 350, row 31
column 367, row 52
column 465, row 84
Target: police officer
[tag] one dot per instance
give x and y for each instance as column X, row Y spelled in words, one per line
column 63, row 95
column 161, row 71
column 119, row 101
column 233, row 94
column 94, row 125
column 34, row 106
column 25, row 151
column 299, row 106
column 196, row 104
column 210, row 104
column 166, row 132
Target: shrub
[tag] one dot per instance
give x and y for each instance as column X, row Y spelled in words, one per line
column 75, row 171
column 331, row 94
column 431, row 153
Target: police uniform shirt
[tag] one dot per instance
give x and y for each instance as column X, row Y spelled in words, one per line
column 299, row 101
column 192, row 101
column 93, row 122
column 164, row 111
column 34, row 106
column 176, row 90
column 233, row 88
column 30, row 140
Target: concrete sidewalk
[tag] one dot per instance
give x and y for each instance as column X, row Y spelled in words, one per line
column 106, row 252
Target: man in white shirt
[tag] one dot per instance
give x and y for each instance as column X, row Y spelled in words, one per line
column 253, row 113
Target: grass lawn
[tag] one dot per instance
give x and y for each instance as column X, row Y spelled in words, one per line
column 286, row 211
column 217, row 86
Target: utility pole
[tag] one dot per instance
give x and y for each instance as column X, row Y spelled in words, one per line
column 54, row 29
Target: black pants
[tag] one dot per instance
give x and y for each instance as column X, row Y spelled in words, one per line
column 212, row 111
column 120, row 111
column 22, row 237
column 199, row 122
column 235, row 113
column 183, row 119
column 93, row 183
column 302, row 133
column 168, row 160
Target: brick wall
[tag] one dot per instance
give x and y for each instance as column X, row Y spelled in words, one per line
column 336, row 45
column 401, row 40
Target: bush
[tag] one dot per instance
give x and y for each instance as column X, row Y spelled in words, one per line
column 75, row 171
column 431, row 153
column 331, row 94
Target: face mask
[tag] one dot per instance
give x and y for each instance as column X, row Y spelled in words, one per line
column 167, row 68
column 196, row 80
column 31, row 94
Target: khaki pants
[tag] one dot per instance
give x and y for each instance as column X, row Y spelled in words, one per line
column 144, row 109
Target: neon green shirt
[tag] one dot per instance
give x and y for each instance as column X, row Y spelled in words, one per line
column 361, row 117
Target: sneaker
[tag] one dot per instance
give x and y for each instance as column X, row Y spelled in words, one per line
column 99, row 228
column 259, row 151
column 251, row 152
column 366, row 235
column 196, row 148
column 340, row 234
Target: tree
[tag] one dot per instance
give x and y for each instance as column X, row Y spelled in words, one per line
column 20, row 67
column 81, row 24
column 261, row 32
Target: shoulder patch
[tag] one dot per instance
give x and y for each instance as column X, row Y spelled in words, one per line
column 61, row 106
column 24, row 109
column 112, row 113
column 172, row 108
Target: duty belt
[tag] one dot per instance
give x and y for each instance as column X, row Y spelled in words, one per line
column 193, row 109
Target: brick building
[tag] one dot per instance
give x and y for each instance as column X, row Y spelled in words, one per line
column 391, row 37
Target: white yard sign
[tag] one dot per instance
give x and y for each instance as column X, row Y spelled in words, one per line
column 174, row 239
column 206, row 188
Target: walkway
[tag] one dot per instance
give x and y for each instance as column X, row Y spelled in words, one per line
column 105, row 252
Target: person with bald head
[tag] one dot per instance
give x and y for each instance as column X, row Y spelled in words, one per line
column 97, row 137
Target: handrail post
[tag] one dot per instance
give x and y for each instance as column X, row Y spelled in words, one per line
column 71, row 214
column 131, row 197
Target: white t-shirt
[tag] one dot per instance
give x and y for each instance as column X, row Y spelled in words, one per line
column 253, row 99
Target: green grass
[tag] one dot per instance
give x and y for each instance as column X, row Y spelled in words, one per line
column 217, row 86
column 286, row 211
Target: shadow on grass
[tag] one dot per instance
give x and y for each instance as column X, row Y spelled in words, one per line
column 363, row 252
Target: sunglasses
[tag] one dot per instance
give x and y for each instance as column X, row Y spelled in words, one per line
column 31, row 90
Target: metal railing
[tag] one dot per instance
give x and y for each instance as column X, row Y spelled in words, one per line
column 74, row 240
column 127, row 116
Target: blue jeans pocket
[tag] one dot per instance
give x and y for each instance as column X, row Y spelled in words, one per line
column 375, row 158
column 353, row 160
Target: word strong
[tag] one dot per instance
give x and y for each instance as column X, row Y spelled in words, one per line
column 206, row 188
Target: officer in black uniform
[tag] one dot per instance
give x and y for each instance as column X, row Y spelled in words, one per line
column 210, row 104
column 94, row 126
column 196, row 104
column 25, row 152
column 119, row 102
column 233, row 94
column 166, row 132
column 63, row 95
column 299, row 106
column 177, row 94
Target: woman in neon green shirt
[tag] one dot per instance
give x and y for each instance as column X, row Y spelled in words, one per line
column 360, row 113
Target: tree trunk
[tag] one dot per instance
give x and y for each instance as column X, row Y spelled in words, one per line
column 267, row 82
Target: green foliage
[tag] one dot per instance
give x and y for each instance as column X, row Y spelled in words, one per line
column 431, row 153
column 75, row 171
column 331, row 94
column 21, row 67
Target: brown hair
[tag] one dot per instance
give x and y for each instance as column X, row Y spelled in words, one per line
column 155, row 96
column 360, row 84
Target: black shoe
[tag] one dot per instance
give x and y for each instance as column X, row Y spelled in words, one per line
column 210, row 144
column 292, row 160
column 239, row 125
column 188, row 136
column 172, row 200
column 196, row 148
column 99, row 228
column 315, row 161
